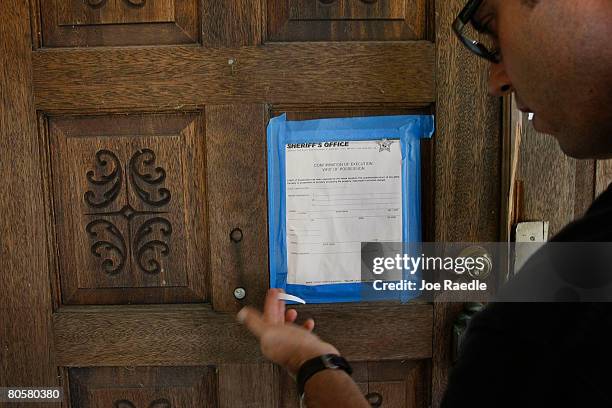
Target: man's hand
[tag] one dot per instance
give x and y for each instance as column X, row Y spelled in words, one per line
column 281, row 340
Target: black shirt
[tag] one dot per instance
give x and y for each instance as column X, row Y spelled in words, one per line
column 540, row 354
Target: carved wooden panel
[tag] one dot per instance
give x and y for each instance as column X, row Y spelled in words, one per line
column 91, row 12
column 129, row 198
column 84, row 23
column 248, row 385
column 347, row 20
column 347, row 9
column 143, row 387
column 389, row 384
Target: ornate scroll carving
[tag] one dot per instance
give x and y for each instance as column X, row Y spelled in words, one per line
column 103, row 179
column 150, row 178
column 146, row 251
column 109, row 244
column 101, row 3
column 158, row 403
column 136, row 3
column 151, row 241
column 123, row 404
column 122, row 253
column 95, row 3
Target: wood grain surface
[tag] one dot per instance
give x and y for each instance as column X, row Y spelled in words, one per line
column 74, row 23
column 586, row 185
column 231, row 23
column 196, row 335
column 248, row 385
column 556, row 187
column 468, row 169
column 348, row 20
column 177, row 77
column 603, row 176
column 129, row 200
column 26, row 341
column 146, row 387
column 236, row 173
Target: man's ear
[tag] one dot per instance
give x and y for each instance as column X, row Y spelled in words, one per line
column 499, row 81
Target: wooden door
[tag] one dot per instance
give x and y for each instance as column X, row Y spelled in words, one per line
column 551, row 186
column 134, row 188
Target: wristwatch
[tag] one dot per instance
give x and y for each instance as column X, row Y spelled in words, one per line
column 314, row 365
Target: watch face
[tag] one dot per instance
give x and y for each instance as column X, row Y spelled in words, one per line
column 329, row 361
column 313, row 366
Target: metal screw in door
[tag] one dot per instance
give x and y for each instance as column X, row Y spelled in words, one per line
column 239, row 293
column 374, row 399
column 236, row 235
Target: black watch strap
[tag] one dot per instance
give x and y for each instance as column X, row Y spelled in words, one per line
column 314, row 365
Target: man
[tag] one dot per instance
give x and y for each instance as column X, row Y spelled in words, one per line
column 556, row 56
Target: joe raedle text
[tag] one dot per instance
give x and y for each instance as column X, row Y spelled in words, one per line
column 423, row 285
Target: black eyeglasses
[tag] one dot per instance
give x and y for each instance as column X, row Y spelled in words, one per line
column 464, row 17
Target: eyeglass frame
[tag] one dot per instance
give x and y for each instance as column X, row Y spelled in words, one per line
column 477, row 48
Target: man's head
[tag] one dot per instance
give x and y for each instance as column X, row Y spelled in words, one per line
column 556, row 55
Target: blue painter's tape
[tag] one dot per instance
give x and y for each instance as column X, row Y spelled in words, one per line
column 409, row 129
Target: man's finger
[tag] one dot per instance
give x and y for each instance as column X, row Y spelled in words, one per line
column 252, row 319
column 271, row 307
column 281, row 308
column 309, row 324
column 290, row 316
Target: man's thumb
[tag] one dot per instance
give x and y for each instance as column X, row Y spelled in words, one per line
column 252, row 319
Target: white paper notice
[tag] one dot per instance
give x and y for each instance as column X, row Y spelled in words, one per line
column 338, row 195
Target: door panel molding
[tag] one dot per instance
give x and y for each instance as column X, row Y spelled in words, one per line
column 25, row 304
column 140, row 78
column 468, row 166
column 129, row 207
column 196, row 335
column 347, row 20
column 237, row 197
column 91, row 23
column 143, row 387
